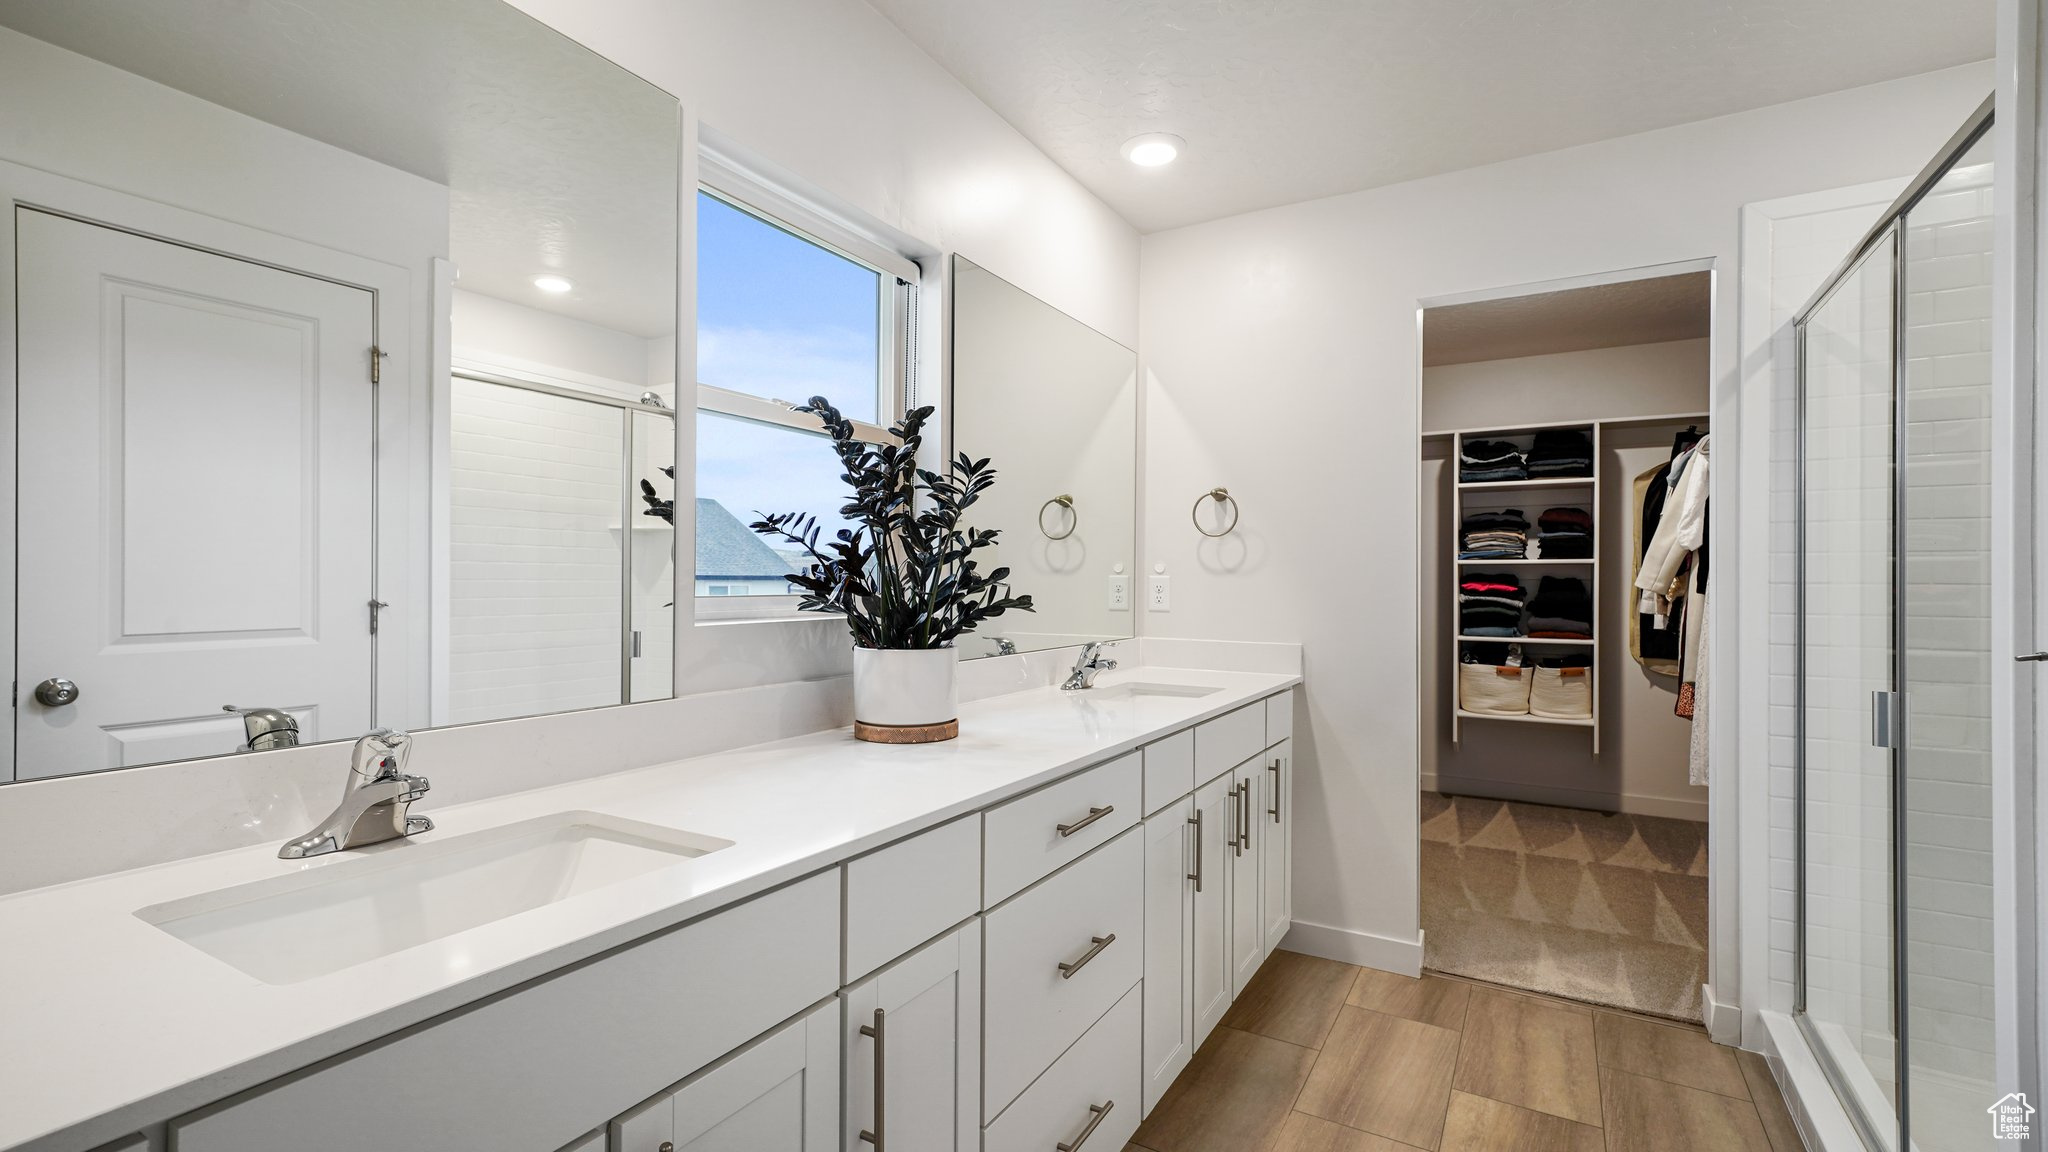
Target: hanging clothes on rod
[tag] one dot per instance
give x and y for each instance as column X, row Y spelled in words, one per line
column 1672, row 583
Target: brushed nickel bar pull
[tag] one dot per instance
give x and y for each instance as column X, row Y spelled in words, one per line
column 1230, row 828
column 1196, row 875
column 1274, row 811
column 1100, row 942
column 1244, row 816
column 875, row 1032
column 1093, row 815
column 1095, row 1114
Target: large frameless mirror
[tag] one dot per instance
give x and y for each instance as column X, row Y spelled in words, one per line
column 1054, row 404
column 346, row 353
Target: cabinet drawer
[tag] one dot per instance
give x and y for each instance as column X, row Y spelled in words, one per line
column 536, row 1068
column 1032, row 1008
column 903, row 895
column 1169, row 770
column 1229, row 740
column 1279, row 717
column 1101, row 1071
column 1023, row 840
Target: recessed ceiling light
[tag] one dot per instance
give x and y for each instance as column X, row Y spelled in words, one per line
column 553, row 284
column 1153, row 149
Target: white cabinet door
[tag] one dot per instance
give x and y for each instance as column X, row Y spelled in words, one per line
column 1209, row 963
column 779, row 1094
column 1169, row 1032
column 918, row 1022
column 1247, row 929
column 1276, row 842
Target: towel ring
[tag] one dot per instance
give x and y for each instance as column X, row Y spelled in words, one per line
column 1073, row 517
column 1221, row 496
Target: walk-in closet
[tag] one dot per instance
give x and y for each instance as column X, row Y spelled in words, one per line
column 1565, row 573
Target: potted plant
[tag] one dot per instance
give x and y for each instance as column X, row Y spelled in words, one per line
column 903, row 575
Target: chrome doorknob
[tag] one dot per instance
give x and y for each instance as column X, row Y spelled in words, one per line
column 56, row 692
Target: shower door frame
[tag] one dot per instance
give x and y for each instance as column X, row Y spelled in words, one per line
column 1889, row 228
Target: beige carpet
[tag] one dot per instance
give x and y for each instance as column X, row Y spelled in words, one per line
column 1606, row 909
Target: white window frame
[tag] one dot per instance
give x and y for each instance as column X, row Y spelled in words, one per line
column 899, row 280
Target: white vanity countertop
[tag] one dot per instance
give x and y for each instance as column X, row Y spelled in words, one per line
column 108, row 1023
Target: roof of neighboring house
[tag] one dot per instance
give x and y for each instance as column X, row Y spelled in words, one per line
column 728, row 550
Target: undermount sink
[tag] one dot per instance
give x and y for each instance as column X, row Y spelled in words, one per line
column 1132, row 690
column 293, row 928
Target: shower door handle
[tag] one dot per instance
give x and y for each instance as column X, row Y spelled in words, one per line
column 1885, row 715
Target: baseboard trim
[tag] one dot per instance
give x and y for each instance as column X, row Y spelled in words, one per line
column 1633, row 803
column 1722, row 1019
column 1351, row 946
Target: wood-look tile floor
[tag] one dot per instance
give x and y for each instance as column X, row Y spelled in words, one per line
column 1318, row 1056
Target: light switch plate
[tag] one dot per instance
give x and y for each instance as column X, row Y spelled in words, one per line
column 1119, row 593
column 1159, row 594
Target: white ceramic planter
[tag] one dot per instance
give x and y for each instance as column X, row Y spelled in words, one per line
column 906, row 696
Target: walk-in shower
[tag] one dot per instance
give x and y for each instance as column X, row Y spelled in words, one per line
column 1894, row 953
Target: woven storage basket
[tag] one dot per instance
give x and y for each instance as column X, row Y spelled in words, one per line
column 1500, row 689
column 1562, row 693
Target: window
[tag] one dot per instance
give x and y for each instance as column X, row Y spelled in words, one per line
column 789, row 306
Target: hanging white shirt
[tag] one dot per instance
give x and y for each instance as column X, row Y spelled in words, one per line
column 1680, row 532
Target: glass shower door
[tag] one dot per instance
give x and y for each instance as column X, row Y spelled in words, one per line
column 1847, row 675
column 1896, row 988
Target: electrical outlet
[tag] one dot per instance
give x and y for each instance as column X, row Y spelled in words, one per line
column 1159, row 594
column 1119, row 593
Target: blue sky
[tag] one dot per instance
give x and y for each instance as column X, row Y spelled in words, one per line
column 777, row 317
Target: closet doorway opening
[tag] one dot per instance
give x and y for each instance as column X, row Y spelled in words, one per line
column 1564, row 579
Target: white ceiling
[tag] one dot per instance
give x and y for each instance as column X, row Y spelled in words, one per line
column 555, row 158
column 1289, row 100
column 1646, row 311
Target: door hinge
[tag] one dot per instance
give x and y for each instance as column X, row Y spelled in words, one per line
column 377, row 608
column 377, row 356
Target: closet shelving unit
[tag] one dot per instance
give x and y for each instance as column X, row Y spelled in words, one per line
column 1531, row 496
column 1483, row 495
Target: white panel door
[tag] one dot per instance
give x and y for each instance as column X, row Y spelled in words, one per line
column 919, row 1020
column 197, row 514
column 1276, row 840
column 1209, row 966
column 1247, row 930
column 1169, row 1016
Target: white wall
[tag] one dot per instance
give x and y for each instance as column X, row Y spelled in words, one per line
column 1643, row 757
column 1323, row 296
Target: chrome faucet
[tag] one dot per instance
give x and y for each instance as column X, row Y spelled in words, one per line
column 266, row 728
column 1004, row 645
column 373, row 804
column 1091, row 664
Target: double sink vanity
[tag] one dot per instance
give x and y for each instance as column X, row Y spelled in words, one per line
column 1013, row 940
